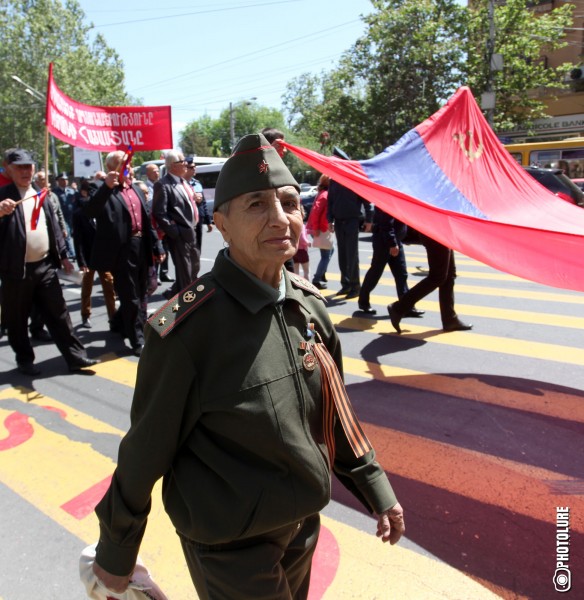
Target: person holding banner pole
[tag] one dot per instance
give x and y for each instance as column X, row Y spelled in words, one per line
column 125, row 243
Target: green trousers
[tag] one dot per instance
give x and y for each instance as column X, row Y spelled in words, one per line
column 272, row 566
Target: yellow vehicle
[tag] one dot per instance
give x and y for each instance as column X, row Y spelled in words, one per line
column 567, row 155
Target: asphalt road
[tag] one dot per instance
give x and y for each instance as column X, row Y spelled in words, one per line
column 480, row 432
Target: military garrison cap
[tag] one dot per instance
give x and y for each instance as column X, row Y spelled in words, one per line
column 254, row 165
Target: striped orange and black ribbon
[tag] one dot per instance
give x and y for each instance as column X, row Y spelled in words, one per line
column 337, row 401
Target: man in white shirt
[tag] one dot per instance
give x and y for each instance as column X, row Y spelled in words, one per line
column 31, row 249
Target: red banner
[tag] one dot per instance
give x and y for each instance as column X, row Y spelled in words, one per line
column 106, row 128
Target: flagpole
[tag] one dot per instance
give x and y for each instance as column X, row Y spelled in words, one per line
column 47, row 153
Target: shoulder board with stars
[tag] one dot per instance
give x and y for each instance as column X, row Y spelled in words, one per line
column 166, row 318
column 305, row 285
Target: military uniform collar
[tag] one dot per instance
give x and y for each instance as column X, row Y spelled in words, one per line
column 249, row 291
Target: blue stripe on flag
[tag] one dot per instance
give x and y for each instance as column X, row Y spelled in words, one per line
column 408, row 167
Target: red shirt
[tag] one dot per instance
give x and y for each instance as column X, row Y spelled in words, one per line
column 134, row 208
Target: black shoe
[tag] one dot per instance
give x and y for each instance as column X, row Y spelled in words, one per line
column 41, row 335
column 321, row 285
column 166, row 278
column 137, row 349
column 168, row 294
column 353, row 293
column 3, row 332
column 344, row 290
column 324, row 279
column 366, row 308
column 28, row 369
column 415, row 312
column 394, row 317
column 82, row 363
column 86, row 323
column 456, row 325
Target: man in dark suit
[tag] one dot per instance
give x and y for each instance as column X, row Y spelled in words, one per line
column 83, row 236
column 125, row 243
column 32, row 248
column 343, row 213
column 175, row 210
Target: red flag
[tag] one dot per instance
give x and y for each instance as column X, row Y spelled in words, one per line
column 125, row 168
column 36, row 211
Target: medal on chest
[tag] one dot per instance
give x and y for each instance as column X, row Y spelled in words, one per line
column 308, row 359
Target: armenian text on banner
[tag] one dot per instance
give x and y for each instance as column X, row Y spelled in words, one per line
column 106, row 128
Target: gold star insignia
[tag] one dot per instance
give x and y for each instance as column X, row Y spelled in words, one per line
column 162, row 321
column 189, row 296
column 176, row 307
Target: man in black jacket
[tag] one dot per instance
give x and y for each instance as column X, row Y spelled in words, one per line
column 125, row 244
column 31, row 249
column 343, row 214
column 388, row 234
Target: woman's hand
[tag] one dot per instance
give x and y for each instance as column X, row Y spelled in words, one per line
column 390, row 524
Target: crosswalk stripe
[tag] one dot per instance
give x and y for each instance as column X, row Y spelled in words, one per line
column 486, row 276
column 504, row 314
column 467, row 339
column 542, row 402
column 567, row 297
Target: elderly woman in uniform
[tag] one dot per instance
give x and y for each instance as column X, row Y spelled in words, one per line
column 240, row 406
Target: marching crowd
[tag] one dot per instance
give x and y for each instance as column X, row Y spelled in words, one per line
column 220, row 429
column 114, row 226
column 125, row 230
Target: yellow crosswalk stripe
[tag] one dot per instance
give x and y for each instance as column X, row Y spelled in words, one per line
column 538, row 401
column 567, row 297
column 505, row 314
column 467, row 339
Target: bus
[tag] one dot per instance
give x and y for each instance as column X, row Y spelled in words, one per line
column 567, row 155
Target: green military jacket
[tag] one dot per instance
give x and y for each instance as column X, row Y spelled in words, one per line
column 226, row 412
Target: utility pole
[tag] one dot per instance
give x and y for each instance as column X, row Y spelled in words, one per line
column 231, row 126
column 488, row 99
column 490, row 93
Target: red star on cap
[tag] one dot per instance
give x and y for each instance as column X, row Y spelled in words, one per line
column 264, row 166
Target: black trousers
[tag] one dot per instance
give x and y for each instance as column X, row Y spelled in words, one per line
column 273, row 566
column 381, row 258
column 40, row 287
column 162, row 268
column 347, row 232
column 441, row 275
column 130, row 278
column 187, row 262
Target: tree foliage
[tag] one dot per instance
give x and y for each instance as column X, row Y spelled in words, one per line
column 34, row 33
column 409, row 60
column 524, row 38
column 413, row 56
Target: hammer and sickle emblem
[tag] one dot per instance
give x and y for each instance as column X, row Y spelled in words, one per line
column 189, row 296
column 470, row 153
